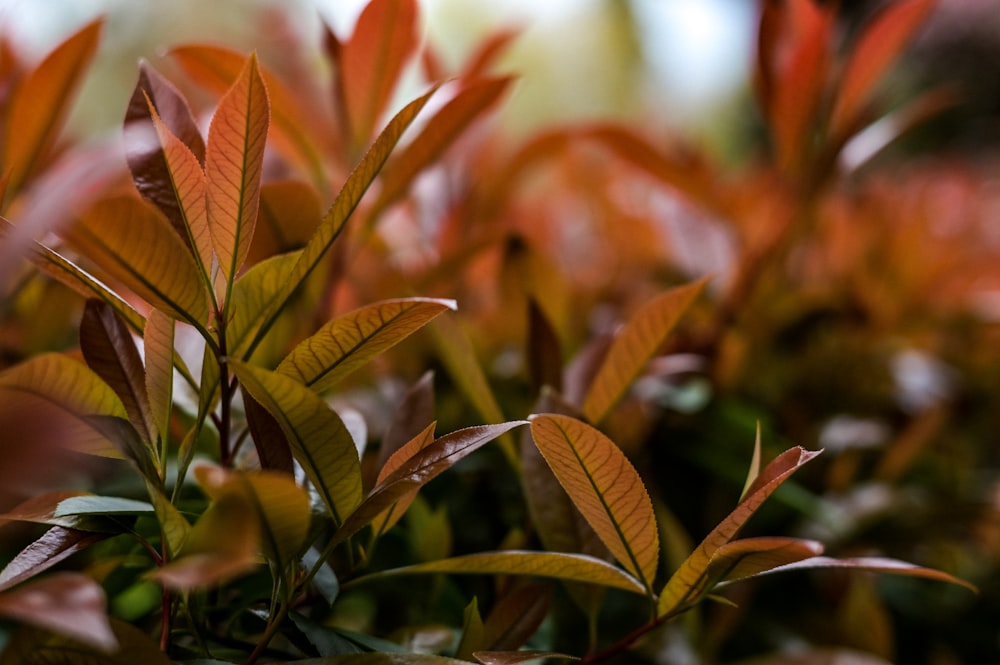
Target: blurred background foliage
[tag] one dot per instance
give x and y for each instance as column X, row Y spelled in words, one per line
column 872, row 332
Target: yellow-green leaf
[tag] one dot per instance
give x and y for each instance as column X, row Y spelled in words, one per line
column 555, row 565
column 684, row 586
column 134, row 243
column 349, row 341
column 317, row 436
column 634, row 345
column 173, row 525
column 39, row 104
column 606, row 489
column 234, row 159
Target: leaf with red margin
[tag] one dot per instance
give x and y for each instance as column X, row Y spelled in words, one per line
column 146, row 159
column 53, row 546
column 388, row 517
column 69, row 604
column 684, row 586
column 874, row 565
column 881, row 43
column 234, row 159
column 371, row 61
column 38, row 106
column 158, row 347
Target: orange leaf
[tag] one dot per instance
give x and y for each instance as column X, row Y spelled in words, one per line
column 388, row 517
column 880, row 45
column 234, row 159
column 634, row 345
column 605, row 487
column 384, row 38
column 40, row 103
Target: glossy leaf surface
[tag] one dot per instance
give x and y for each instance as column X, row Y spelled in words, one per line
column 53, row 546
column 349, row 341
column 605, row 487
column 875, row 565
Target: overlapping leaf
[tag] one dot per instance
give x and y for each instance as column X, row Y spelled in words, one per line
column 605, row 488
column 158, row 347
column 135, row 245
column 391, row 515
column 349, row 341
column 234, row 159
column 634, row 345
column 316, row 434
column 53, row 546
column 875, row 565
column 41, row 647
column 40, row 103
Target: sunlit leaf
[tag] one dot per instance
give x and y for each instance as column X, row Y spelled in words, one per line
column 605, row 488
column 110, row 351
column 389, row 517
column 189, row 186
column 881, row 43
column 37, row 647
column 684, row 585
column 418, row 470
column 556, row 565
column 146, row 157
column 349, row 341
column 749, row 557
column 518, row 657
column 38, row 106
column 372, row 59
column 318, row 438
column 234, row 159
column 69, row 604
column 440, row 132
column 158, row 348
column 253, row 295
column 347, row 200
column 135, row 245
column 754, row 470
column 53, row 546
column 634, row 345
column 875, row 565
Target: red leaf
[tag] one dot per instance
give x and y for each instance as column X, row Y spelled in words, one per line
column 53, row 546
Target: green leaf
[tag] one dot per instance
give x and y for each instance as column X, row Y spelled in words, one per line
column 53, row 546
column 135, row 245
column 684, row 586
column 109, row 350
column 234, row 159
column 92, row 504
column 418, row 470
column 347, row 200
column 605, row 488
column 349, row 341
column 555, row 565
column 472, row 631
column 174, row 527
column 317, row 436
column 70, row 604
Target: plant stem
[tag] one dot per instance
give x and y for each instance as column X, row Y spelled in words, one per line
column 272, row 627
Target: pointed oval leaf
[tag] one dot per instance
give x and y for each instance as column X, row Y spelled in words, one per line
column 145, row 156
column 253, row 295
column 605, row 488
column 234, row 159
column 53, row 546
column 40, row 103
column 555, row 565
column 749, row 557
column 158, row 347
column 420, row 469
column 683, row 586
column 384, row 38
column 269, row 439
column 290, row 211
column 389, row 517
column 92, row 504
column 39, row 509
column 349, row 341
column 634, row 345
column 109, row 350
column 69, row 604
column 317, row 436
column 876, row 565
column 134, row 244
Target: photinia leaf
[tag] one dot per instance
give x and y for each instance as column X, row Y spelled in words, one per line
column 37, row 647
column 749, row 557
column 37, row 107
column 472, row 631
column 881, row 43
column 269, row 439
column 91, row 504
column 420, row 469
column 174, row 527
column 282, row 508
column 517, row 657
column 474, row 99
column 371, row 60
column 53, row 546
column 70, row 604
column 683, row 586
column 413, row 413
column 135, row 245
column 290, row 211
column 604, row 487
column 109, row 350
column 555, row 565
column 317, row 436
column 158, row 347
column 347, row 200
column 516, row 617
column 254, row 293
column 754, row 470
column 349, row 341
column 189, row 186
column 634, row 345
column 875, row 565
column 40, row 509
column 153, row 94
column 388, row 518
column 234, row 159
